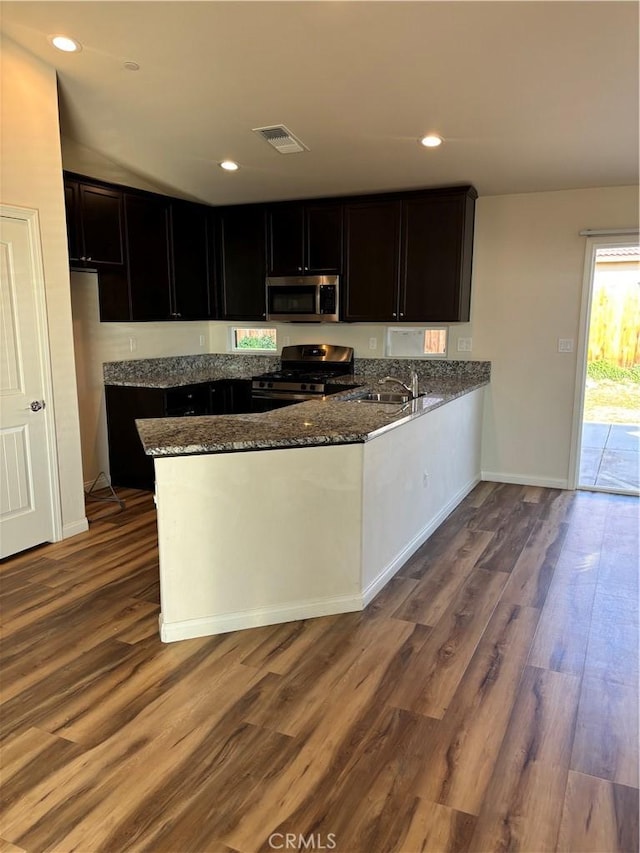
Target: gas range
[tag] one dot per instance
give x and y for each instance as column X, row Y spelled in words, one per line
column 304, row 373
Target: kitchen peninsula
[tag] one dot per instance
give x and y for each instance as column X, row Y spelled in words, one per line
column 311, row 509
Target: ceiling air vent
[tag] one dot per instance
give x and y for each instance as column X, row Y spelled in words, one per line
column 281, row 138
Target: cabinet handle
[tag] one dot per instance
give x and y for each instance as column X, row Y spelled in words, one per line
column 401, row 314
column 89, row 259
column 393, row 314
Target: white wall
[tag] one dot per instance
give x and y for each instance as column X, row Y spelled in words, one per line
column 356, row 335
column 97, row 342
column 32, row 178
column 413, row 477
column 527, row 287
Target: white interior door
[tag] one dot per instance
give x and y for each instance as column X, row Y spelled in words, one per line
column 29, row 498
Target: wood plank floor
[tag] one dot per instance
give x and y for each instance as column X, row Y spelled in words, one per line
column 487, row 700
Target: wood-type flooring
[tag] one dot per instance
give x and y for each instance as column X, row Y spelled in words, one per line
column 486, row 700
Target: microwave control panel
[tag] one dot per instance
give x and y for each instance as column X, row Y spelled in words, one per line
column 328, row 299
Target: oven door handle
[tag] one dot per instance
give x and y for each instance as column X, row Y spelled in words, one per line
column 284, row 395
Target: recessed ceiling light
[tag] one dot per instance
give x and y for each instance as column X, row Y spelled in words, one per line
column 431, row 141
column 131, row 66
column 229, row 165
column 65, row 43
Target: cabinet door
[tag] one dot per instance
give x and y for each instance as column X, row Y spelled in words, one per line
column 72, row 211
column 102, row 226
column 436, row 268
column 239, row 396
column 323, row 238
column 285, row 241
column 372, row 261
column 192, row 267
column 219, row 397
column 187, row 400
column 147, row 220
column 242, row 263
column 128, row 463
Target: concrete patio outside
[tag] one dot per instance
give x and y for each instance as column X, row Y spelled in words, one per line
column 610, row 457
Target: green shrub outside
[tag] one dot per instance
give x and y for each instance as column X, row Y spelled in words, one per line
column 265, row 342
column 607, row 370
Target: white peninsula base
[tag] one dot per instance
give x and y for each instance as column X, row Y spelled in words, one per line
column 261, row 537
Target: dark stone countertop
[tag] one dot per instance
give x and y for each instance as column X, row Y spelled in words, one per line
column 334, row 419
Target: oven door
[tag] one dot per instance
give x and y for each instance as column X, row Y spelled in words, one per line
column 266, row 401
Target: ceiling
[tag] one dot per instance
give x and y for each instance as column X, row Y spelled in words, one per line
column 528, row 96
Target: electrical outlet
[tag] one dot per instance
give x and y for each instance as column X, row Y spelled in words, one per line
column 565, row 344
column 425, row 479
column 133, row 345
column 373, row 343
column 201, row 340
column 464, row 344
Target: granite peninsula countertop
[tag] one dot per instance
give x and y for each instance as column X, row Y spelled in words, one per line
column 335, row 419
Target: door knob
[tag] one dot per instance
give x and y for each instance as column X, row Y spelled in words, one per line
column 36, row 405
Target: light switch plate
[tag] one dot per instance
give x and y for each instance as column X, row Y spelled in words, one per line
column 565, row 344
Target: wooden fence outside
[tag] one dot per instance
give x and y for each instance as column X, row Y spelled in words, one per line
column 614, row 332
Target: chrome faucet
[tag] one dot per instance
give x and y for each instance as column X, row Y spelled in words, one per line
column 412, row 388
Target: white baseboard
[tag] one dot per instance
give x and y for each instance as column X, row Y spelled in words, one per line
column 385, row 576
column 525, row 480
column 75, row 527
column 207, row 626
column 211, row 625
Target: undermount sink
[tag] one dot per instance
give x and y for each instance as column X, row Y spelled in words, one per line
column 385, row 397
column 417, row 404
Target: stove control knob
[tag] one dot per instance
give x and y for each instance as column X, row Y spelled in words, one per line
column 303, row 387
column 269, row 384
column 261, row 384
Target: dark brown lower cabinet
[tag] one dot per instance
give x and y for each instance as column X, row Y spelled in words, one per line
column 129, row 465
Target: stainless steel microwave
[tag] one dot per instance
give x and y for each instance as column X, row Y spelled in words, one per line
column 303, row 299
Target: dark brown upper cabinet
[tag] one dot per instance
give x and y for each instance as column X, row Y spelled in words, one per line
column 372, row 260
column 437, row 244
column 148, row 223
column 192, row 252
column 304, row 238
column 403, row 257
column 241, row 261
column 409, row 259
column 95, row 225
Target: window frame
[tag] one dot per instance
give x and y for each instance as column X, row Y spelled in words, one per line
column 423, row 329
column 232, row 338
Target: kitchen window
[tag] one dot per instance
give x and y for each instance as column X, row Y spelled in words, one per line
column 243, row 339
column 417, row 342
